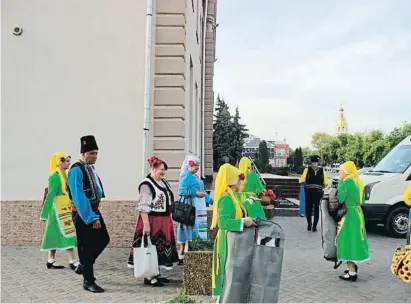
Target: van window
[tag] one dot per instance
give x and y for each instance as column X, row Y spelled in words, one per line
column 397, row 161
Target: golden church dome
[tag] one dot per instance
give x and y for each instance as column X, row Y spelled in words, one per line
column 341, row 125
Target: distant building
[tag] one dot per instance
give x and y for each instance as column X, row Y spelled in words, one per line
column 341, row 127
column 279, row 150
column 281, row 153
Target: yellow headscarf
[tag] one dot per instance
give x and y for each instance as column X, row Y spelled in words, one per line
column 244, row 166
column 227, row 175
column 407, row 195
column 351, row 170
column 55, row 161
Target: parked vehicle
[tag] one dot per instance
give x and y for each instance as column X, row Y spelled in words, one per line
column 384, row 188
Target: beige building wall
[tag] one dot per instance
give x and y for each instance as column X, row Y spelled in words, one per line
column 77, row 69
column 178, row 84
column 209, row 89
column 63, row 79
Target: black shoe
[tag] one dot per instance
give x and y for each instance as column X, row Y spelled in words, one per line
column 79, row 269
column 309, row 227
column 351, row 278
column 54, row 265
column 153, row 282
column 93, row 288
column 314, row 229
column 180, row 262
column 73, row 267
column 355, row 267
column 163, row 280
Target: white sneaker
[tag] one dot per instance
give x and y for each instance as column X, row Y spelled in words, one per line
column 130, row 266
column 167, row 267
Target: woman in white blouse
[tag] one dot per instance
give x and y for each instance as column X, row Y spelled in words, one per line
column 154, row 219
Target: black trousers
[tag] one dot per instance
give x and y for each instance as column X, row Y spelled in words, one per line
column 90, row 244
column 312, row 203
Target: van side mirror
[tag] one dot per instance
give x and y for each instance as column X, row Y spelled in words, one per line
column 409, row 177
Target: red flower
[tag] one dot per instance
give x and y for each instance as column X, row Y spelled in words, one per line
column 270, row 193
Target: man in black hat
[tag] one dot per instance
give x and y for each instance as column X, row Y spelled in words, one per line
column 86, row 192
column 315, row 179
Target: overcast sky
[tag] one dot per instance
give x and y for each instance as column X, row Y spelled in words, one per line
column 288, row 65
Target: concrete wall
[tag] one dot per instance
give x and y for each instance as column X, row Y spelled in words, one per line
column 77, row 69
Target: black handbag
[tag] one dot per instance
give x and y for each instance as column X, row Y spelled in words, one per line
column 339, row 213
column 184, row 212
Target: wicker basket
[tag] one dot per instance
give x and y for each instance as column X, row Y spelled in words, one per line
column 266, row 200
column 269, row 212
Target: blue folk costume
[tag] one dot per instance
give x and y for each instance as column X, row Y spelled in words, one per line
column 86, row 192
column 189, row 185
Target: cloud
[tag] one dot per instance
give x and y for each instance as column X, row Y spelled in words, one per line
column 288, row 70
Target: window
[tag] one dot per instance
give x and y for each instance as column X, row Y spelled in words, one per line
column 397, row 161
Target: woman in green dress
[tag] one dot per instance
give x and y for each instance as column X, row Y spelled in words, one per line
column 352, row 244
column 250, row 190
column 228, row 215
column 60, row 232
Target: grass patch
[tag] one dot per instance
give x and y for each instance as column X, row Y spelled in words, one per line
column 182, row 298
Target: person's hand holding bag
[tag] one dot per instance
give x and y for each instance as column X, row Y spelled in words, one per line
column 248, row 222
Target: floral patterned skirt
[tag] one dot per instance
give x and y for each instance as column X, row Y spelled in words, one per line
column 161, row 235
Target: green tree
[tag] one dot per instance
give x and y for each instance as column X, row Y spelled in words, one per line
column 298, row 158
column 238, row 134
column 222, row 129
column 320, row 139
column 398, row 134
column 355, row 151
column 290, row 161
column 263, row 157
column 329, row 153
column 365, row 149
column 306, row 152
column 375, row 147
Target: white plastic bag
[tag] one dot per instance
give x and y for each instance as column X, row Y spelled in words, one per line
column 145, row 260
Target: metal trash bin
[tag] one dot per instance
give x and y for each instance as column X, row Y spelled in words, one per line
column 253, row 265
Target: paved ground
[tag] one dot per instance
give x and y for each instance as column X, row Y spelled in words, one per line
column 307, row 277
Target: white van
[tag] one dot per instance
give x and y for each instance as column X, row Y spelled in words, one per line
column 385, row 185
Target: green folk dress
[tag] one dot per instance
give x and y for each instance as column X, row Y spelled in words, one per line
column 53, row 237
column 254, row 208
column 252, row 188
column 227, row 221
column 352, row 244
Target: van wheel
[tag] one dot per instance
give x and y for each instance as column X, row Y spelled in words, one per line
column 396, row 223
